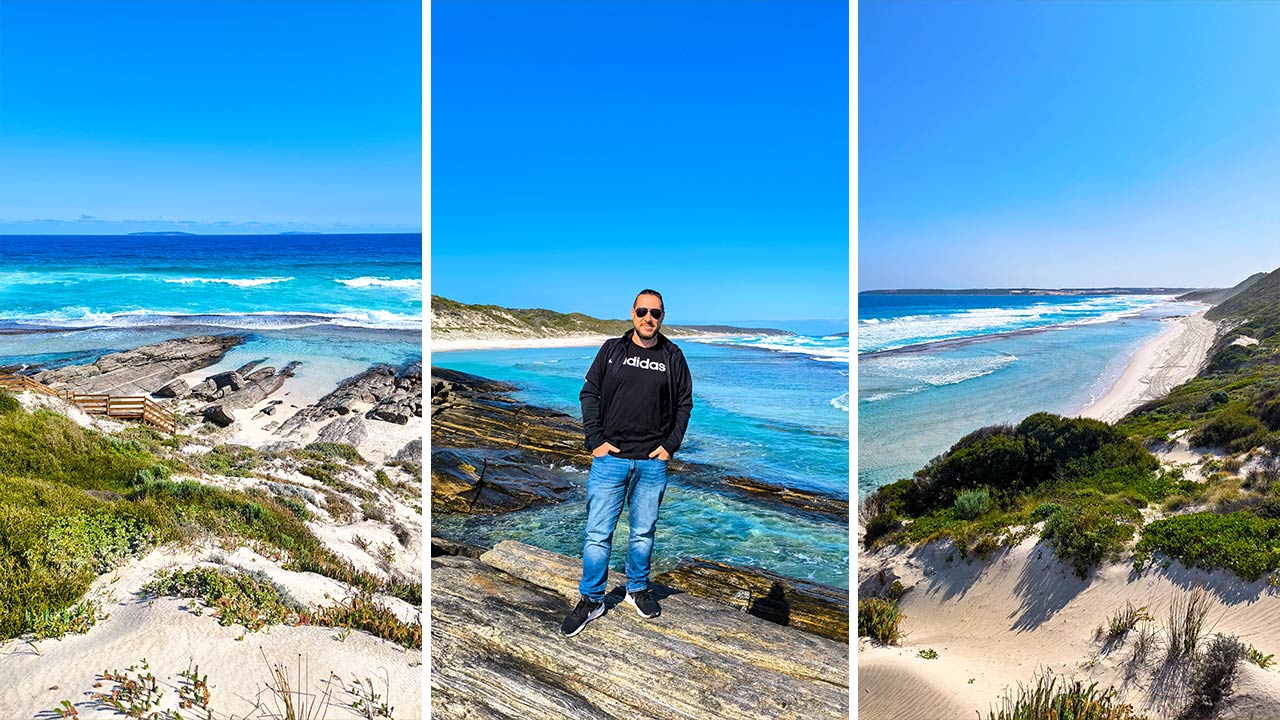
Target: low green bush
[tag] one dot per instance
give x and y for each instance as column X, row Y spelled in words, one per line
column 9, row 404
column 1086, row 534
column 1239, row 541
column 972, row 505
column 880, row 620
column 1048, row 699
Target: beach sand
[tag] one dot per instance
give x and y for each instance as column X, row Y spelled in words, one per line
column 994, row 623
column 1172, row 358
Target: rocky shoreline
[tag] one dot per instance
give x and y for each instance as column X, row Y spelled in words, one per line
column 492, row 454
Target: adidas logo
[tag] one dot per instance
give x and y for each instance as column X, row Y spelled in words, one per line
column 645, row 364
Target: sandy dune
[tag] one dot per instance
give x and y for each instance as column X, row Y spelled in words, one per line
column 994, row 623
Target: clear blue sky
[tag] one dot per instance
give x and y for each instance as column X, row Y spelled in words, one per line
column 1068, row 143
column 585, row 150
column 228, row 116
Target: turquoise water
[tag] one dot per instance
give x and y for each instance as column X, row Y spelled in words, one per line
column 976, row 361
column 780, row 415
column 336, row 302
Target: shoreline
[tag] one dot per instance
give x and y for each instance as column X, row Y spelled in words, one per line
column 1166, row 361
column 524, row 343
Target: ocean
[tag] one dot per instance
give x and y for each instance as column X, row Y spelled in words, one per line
column 337, row 302
column 773, row 408
column 932, row 368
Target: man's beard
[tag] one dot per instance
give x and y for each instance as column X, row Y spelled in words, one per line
column 650, row 336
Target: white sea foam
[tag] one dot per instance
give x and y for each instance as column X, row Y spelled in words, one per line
column 82, row 317
column 877, row 334
column 830, row 349
column 363, row 282
column 238, row 282
column 924, row 371
column 841, row 402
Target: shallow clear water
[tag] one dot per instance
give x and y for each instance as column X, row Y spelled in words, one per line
column 762, row 413
column 915, row 402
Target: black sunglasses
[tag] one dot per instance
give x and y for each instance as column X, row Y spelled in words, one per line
column 656, row 312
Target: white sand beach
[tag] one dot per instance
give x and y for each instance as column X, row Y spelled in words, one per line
column 994, row 623
column 1172, row 358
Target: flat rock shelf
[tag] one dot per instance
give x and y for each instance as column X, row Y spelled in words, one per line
column 497, row 651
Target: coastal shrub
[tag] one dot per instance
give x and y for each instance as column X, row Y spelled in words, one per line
column 1241, row 542
column 328, row 451
column 1214, row 674
column 1212, row 400
column 75, row 620
column 1086, row 534
column 46, row 445
column 1233, row 428
column 248, row 599
column 1267, row 508
column 880, row 620
column 1043, row 511
column 880, row 526
column 1124, row 620
column 364, row 613
column 972, row 505
column 1227, row 359
column 8, row 404
column 230, row 460
column 1052, row 697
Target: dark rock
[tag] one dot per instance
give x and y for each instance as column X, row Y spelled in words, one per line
column 411, row 452
column 219, row 415
column 398, row 408
column 350, row 430
column 176, row 389
column 467, row 482
column 248, row 367
column 142, row 370
column 260, row 374
column 230, row 380
column 395, row 395
column 441, row 546
column 204, row 390
column 808, row 606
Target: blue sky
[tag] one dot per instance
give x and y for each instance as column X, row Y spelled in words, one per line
column 1067, row 143
column 582, row 151
column 229, row 116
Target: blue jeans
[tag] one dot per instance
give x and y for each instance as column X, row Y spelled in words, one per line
column 612, row 480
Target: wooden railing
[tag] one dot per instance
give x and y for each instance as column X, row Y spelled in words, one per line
column 22, row 382
column 139, row 407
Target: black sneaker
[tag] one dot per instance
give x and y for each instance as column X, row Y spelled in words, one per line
column 585, row 612
column 644, row 603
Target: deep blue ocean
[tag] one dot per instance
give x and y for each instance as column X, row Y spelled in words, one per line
column 932, row 368
column 337, row 302
column 765, row 407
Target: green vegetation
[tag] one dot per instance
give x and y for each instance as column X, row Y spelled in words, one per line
column 251, row 600
column 928, row 654
column 8, row 404
column 880, row 620
column 1124, row 620
column 75, row 502
column 1082, row 478
column 1050, row 699
column 363, row 613
column 1213, row 674
column 1234, row 403
column 1242, row 542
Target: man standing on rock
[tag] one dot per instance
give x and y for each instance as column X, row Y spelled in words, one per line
column 635, row 407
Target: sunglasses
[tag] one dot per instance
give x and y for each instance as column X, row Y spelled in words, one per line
column 656, row 312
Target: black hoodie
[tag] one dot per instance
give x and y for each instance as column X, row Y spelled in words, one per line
column 611, row 411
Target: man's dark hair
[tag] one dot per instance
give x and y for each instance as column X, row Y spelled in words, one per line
column 647, row 291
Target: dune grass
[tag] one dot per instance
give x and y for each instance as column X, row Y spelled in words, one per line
column 74, row 502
